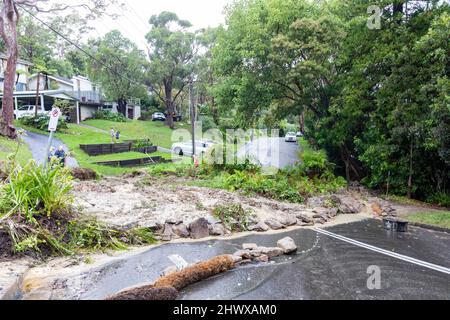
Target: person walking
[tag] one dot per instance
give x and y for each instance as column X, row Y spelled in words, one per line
column 117, row 135
column 112, row 133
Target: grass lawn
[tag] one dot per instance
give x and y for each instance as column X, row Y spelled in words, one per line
column 8, row 146
column 437, row 218
column 76, row 135
column 157, row 132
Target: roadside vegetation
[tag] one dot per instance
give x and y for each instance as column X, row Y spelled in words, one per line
column 313, row 175
column 434, row 218
column 16, row 148
column 38, row 215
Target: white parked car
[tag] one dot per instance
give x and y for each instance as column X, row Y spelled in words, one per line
column 27, row 110
column 290, row 137
column 185, row 148
column 158, row 116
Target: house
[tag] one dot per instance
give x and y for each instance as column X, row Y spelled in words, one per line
column 22, row 68
column 89, row 95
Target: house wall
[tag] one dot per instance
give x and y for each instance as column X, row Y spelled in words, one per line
column 83, row 84
column 23, row 77
column 87, row 112
column 53, row 84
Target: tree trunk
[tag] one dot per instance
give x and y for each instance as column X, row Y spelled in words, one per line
column 8, row 30
column 37, row 95
column 301, row 121
column 410, row 171
column 169, row 104
column 122, row 106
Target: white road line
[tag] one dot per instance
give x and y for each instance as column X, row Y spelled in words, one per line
column 385, row 252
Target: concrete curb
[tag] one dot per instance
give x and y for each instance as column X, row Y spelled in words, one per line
column 429, row 227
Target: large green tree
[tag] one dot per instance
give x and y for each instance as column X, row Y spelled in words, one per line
column 171, row 53
column 119, row 66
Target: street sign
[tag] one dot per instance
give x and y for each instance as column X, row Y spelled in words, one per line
column 54, row 117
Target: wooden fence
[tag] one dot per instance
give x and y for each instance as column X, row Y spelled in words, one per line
column 111, row 148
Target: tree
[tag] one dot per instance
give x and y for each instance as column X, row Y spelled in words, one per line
column 119, row 67
column 9, row 19
column 172, row 50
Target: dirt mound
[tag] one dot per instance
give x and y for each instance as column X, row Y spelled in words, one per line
column 84, row 174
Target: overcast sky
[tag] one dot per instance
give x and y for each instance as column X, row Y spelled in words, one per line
column 134, row 20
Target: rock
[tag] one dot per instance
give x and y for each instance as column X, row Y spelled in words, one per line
column 304, row 218
column 168, row 233
column 322, row 216
column 319, row 221
column 249, row 246
column 181, row 230
column 333, row 212
column 236, row 259
column 349, row 206
column 212, row 220
column 255, row 253
column 217, row 230
column 259, row 227
column 174, row 221
column 155, row 227
column 270, row 252
column 273, row 224
column 287, row 245
column 263, row 258
column 288, row 220
column 244, row 254
column 199, row 228
column 320, row 211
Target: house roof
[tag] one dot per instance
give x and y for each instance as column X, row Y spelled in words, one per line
column 21, row 61
column 57, row 78
column 60, row 94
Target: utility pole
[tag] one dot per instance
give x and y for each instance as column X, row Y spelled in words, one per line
column 192, row 112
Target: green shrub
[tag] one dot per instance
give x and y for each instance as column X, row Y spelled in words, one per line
column 233, row 216
column 41, row 122
column 439, row 198
column 110, row 116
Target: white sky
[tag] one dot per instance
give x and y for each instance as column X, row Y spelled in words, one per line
column 133, row 22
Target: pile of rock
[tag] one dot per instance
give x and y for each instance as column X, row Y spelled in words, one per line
column 251, row 252
column 198, row 229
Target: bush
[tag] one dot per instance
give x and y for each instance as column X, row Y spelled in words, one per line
column 110, row 116
column 37, row 215
column 439, row 198
column 233, row 216
column 41, row 122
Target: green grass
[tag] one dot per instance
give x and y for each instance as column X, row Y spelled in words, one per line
column 8, row 146
column 437, row 218
column 157, row 132
column 76, row 135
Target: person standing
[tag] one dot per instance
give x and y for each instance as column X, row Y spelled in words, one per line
column 117, row 135
column 112, row 133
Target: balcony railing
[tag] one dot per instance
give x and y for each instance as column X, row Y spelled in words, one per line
column 87, row 96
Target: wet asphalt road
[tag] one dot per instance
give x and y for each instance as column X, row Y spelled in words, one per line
column 323, row 267
column 37, row 144
column 274, row 152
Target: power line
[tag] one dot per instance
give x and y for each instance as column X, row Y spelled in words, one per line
column 78, row 47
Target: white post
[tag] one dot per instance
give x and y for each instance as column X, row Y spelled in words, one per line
column 78, row 112
column 42, row 103
column 16, row 104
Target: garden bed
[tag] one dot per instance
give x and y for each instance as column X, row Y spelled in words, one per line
column 112, row 148
column 133, row 162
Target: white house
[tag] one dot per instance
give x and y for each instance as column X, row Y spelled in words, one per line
column 22, row 68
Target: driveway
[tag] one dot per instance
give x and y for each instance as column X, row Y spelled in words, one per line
column 271, row 152
column 37, row 144
column 331, row 263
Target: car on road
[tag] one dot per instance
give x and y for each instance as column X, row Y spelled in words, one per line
column 27, row 110
column 158, row 116
column 185, row 148
column 290, row 137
